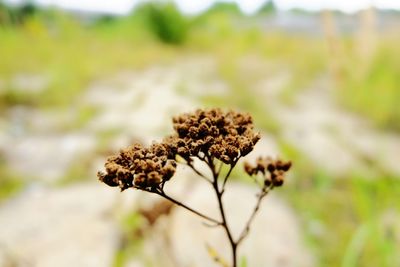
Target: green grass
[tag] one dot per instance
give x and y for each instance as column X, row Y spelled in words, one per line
column 130, row 245
column 10, row 184
column 79, row 171
column 351, row 213
column 372, row 89
column 72, row 57
column 343, row 217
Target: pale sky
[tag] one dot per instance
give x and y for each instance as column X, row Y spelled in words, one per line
column 196, row 6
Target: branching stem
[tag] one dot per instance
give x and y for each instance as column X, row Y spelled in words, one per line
column 246, row 229
column 162, row 194
column 211, row 222
column 227, row 175
column 222, row 212
column 198, row 172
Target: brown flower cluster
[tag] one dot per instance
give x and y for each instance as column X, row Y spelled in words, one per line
column 139, row 167
column 273, row 171
column 223, row 135
column 211, row 133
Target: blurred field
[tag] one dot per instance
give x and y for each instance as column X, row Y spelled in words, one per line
column 349, row 214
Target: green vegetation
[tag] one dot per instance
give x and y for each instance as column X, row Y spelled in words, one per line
column 348, row 220
column 71, row 56
column 132, row 226
column 371, row 88
column 164, row 21
column 79, row 171
column 10, row 184
column 267, row 8
column 345, row 219
column 17, row 15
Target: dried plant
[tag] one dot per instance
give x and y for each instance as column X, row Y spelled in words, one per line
column 212, row 136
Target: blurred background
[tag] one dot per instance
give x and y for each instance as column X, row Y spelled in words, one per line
column 81, row 79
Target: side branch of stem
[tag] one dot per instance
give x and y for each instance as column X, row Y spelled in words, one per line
column 246, row 229
column 162, row 194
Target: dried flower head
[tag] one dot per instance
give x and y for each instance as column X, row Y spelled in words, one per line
column 223, row 135
column 273, row 171
column 139, row 167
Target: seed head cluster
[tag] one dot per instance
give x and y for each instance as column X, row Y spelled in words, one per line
column 211, row 133
column 140, row 167
column 273, row 171
column 226, row 136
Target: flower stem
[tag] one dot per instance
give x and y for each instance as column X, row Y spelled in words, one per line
column 187, row 208
column 222, row 210
column 246, row 229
